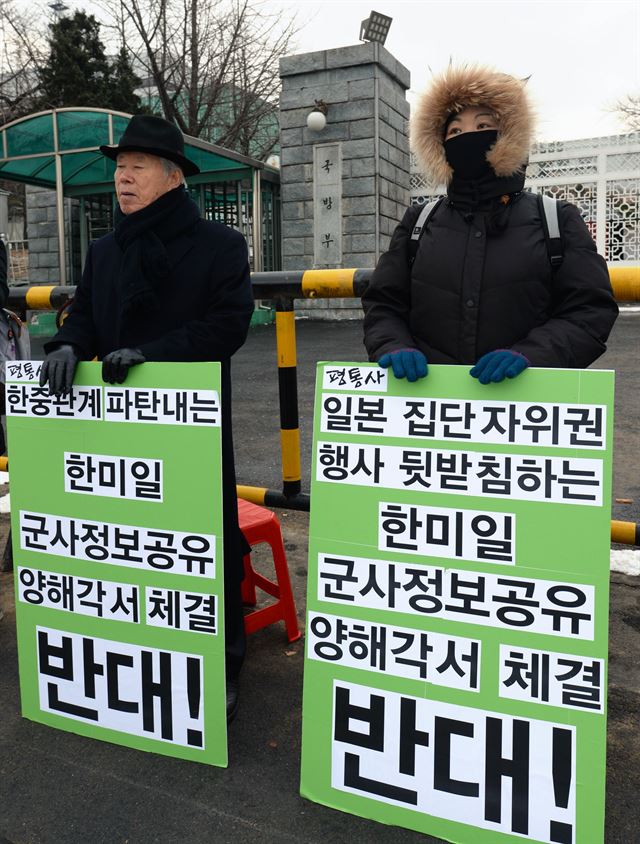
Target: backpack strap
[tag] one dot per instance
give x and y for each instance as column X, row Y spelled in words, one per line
column 551, row 225
column 421, row 223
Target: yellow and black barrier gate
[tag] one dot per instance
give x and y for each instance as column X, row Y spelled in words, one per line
column 283, row 288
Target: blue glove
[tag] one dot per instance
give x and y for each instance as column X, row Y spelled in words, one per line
column 406, row 363
column 498, row 365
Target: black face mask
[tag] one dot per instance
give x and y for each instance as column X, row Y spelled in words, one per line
column 467, row 153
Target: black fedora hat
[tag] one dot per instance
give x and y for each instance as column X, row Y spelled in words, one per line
column 155, row 136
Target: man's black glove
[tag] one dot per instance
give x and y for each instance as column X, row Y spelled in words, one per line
column 116, row 364
column 58, row 369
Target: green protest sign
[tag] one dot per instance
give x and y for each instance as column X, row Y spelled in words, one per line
column 116, row 518
column 455, row 678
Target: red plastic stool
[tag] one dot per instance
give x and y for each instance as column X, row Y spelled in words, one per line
column 261, row 525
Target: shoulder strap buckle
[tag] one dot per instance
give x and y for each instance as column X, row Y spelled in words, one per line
column 420, row 225
column 551, row 225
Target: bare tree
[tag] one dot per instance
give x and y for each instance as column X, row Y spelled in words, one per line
column 628, row 110
column 212, row 65
column 22, row 48
column 60, row 60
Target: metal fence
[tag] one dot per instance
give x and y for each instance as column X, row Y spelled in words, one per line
column 283, row 289
column 601, row 176
column 18, row 264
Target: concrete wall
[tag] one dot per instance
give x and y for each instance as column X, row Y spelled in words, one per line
column 42, row 237
column 364, row 87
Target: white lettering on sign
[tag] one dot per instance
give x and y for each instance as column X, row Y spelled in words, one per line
column 486, row 769
column 79, row 595
column 172, row 551
column 364, row 379
column 106, row 475
column 172, row 609
column 526, row 477
column 442, row 532
column 566, row 680
column 31, row 400
column 25, row 397
column 437, row 658
column 551, row 607
column 22, row 370
column 163, row 407
column 132, row 689
column 502, row 423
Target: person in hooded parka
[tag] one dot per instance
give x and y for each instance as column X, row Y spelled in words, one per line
column 482, row 289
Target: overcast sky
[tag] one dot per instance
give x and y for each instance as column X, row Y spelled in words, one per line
column 581, row 55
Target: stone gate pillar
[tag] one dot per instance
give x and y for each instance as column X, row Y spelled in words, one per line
column 346, row 187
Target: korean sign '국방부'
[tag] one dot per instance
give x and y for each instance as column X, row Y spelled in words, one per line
column 117, row 535
column 455, row 677
column 327, row 205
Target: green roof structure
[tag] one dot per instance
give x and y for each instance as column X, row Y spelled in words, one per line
column 59, row 150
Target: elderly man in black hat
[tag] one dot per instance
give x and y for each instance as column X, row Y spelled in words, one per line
column 165, row 285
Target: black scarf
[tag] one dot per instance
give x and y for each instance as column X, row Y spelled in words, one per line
column 142, row 237
column 466, row 153
column 481, row 194
column 495, row 194
column 474, row 186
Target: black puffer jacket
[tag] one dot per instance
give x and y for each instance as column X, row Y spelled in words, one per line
column 469, row 293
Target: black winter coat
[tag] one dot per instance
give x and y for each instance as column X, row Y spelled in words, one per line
column 4, row 268
column 469, row 293
column 204, row 315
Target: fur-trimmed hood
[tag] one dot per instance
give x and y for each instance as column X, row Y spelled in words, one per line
column 473, row 85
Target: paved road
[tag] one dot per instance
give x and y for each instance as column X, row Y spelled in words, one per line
column 56, row 788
